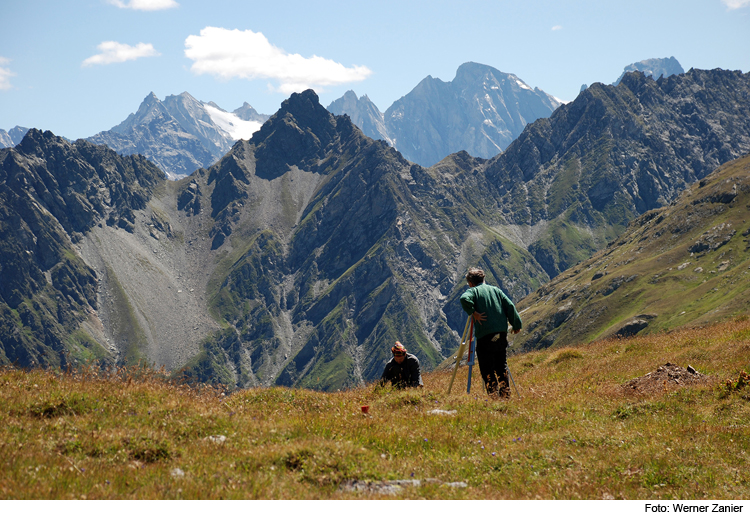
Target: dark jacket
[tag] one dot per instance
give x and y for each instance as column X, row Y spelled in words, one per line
column 405, row 374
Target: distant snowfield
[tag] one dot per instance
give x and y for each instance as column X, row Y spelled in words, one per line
column 234, row 126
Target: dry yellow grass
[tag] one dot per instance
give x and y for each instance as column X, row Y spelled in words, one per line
column 573, row 433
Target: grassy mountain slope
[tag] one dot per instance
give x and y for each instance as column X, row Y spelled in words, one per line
column 684, row 264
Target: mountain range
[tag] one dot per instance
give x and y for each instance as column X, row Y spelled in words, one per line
column 481, row 111
column 302, row 254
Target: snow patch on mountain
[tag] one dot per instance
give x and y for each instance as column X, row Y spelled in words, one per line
column 521, row 84
column 231, row 124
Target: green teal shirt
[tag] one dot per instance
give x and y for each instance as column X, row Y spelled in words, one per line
column 495, row 305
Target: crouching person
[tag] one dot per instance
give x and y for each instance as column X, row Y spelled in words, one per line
column 402, row 370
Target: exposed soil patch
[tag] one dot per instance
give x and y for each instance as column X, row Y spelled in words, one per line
column 666, row 378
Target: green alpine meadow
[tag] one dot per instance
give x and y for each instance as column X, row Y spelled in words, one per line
column 657, row 417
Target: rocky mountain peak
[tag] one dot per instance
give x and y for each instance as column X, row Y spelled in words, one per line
column 298, row 134
column 305, row 107
column 349, row 97
column 181, row 134
column 481, row 111
column 473, row 72
column 149, row 101
column 12, row 137
column 17, row 133
column 302, row 133
column 36, row 141
column 149, row 109
column 350, row 104
column 248, row 113
column 634, row 80
column 363, row 113
column 185, row 96
column 185, row 104
column 654, row 68
column 244, row 108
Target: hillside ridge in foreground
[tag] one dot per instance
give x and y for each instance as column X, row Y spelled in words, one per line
column 684, row 264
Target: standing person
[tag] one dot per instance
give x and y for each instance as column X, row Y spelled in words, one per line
column 492, row 311
column 402, row 370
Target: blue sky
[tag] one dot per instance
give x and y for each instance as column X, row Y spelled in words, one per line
column 79, row 67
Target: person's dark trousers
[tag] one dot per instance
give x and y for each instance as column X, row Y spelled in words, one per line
column 493, row 363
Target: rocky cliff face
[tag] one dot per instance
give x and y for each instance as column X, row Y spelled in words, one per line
column 51, row 194
column 180, row 134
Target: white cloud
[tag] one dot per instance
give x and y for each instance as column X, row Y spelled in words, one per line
column 227, row 54
column 115, row 52
column 735, row 4
column 556, row 28
column 145, row 5
column 5, row 75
